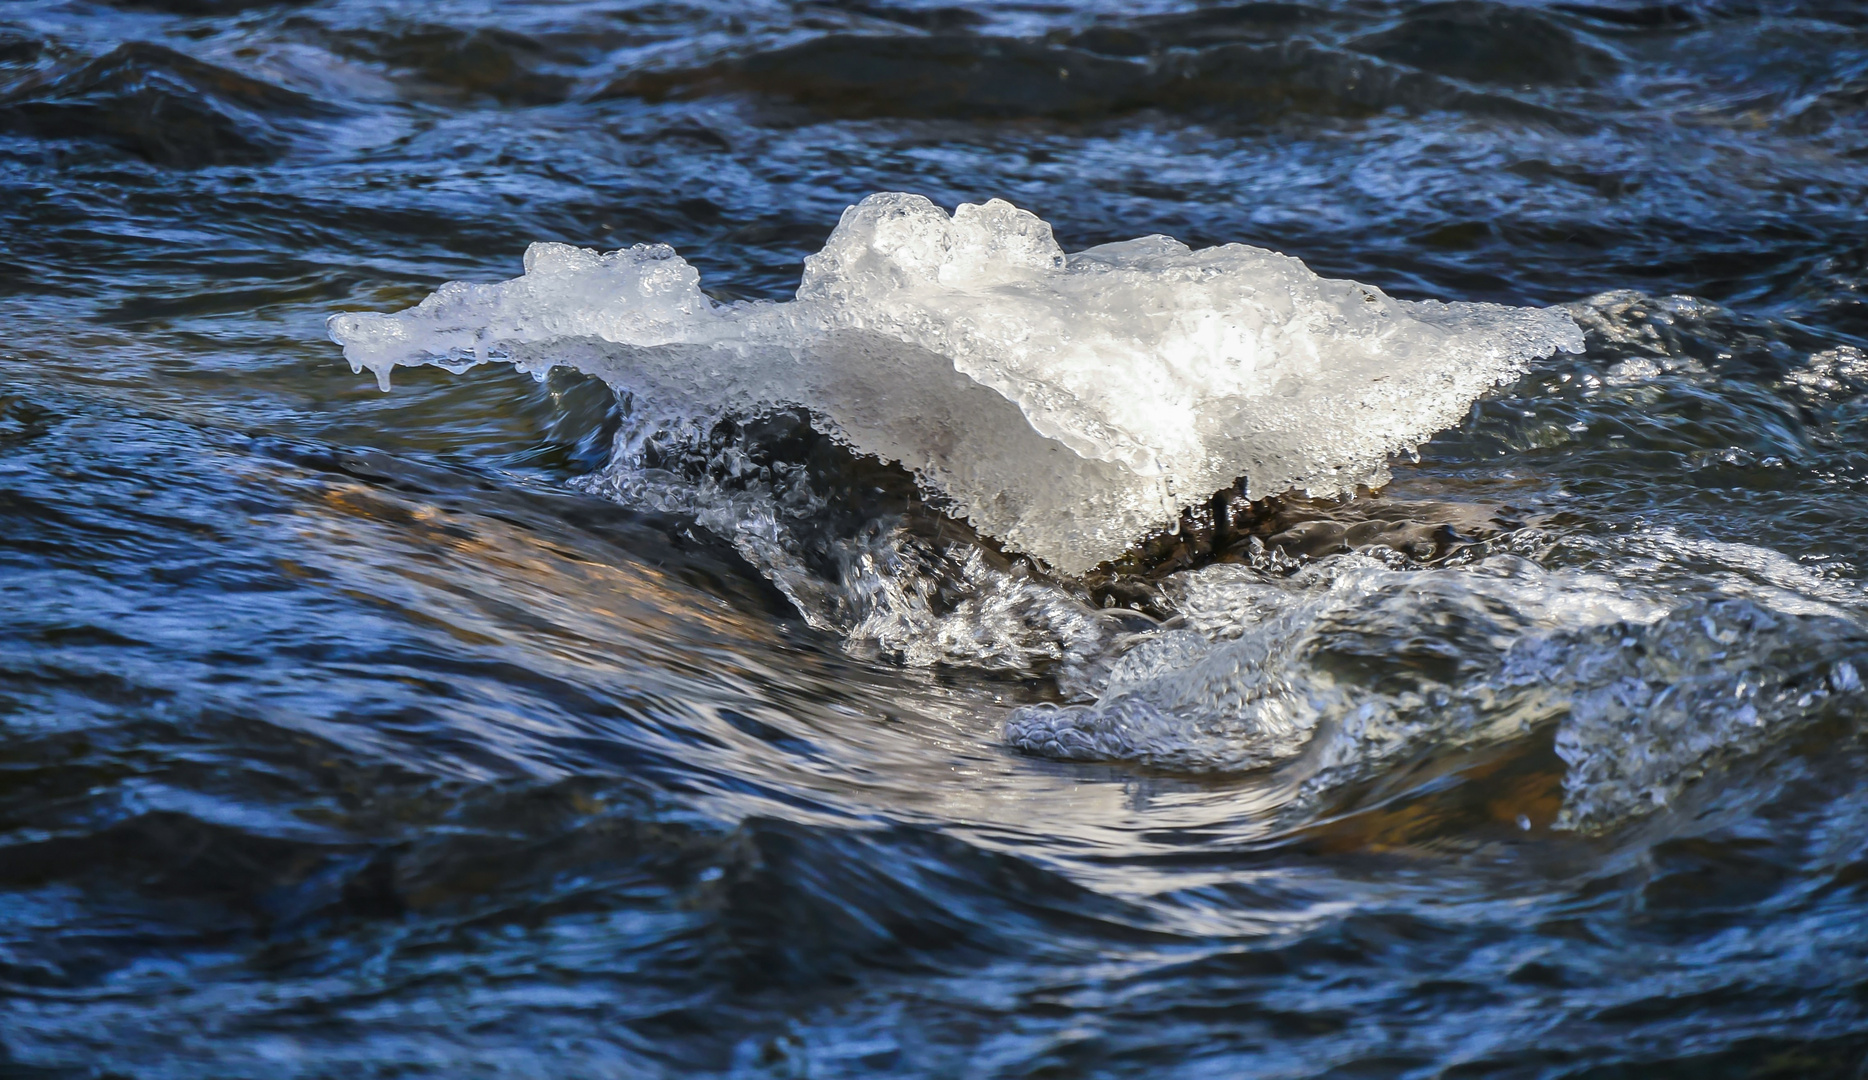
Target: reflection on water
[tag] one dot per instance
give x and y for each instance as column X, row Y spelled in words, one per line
column 350, row 733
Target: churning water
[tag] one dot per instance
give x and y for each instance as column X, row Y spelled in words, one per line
column 1167, row 539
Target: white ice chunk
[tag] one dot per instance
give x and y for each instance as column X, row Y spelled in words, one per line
column 1066, row 405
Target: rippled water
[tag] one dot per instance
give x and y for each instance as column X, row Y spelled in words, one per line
column 439, row 732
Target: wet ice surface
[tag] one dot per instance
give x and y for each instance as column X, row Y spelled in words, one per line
column 1066, row 406
column 502, row 727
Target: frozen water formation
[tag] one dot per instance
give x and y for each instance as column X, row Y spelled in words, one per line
column 1067, row 405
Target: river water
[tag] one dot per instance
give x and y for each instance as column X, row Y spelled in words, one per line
column 502, row 725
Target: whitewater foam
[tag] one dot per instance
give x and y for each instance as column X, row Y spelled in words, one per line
column 1065, row 405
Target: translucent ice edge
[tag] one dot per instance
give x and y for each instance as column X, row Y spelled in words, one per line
column 1066, row 405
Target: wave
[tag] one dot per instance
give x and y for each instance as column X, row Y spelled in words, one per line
column 1252, row 62
column 1349, row 666
column 504, row 65
column 1104, row 73
column 159, row 104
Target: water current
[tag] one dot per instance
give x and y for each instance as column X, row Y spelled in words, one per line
column 1163, row 539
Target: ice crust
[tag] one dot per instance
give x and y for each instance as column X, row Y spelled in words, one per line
column 1066, row 405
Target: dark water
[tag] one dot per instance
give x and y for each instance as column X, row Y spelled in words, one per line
column 345, row 735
